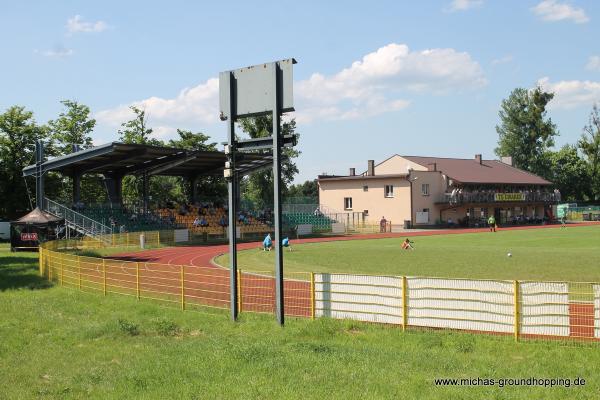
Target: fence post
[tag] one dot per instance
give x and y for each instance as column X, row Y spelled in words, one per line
column 312, row 295
column 62, row 268
column 404, row 303
column 50, row 268
column 41, row 261
column 158, row 238
column 239, row 289
column 516, row 312
column 137, row 279
column 104, row 276
column 182, row 288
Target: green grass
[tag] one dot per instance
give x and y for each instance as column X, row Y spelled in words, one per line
column 58, row 343
column 570, row 254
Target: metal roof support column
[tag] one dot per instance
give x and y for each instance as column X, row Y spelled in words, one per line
column 76, row 187
column 39, row 176
column 193, row 188
column 145, row 191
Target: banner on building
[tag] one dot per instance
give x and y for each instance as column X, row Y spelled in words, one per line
column 509, row 197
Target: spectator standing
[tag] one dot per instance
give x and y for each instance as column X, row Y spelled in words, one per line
column 383, row 225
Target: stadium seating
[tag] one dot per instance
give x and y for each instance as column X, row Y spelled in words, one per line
column 319, row 222
column 117, row 216
column 252, row 225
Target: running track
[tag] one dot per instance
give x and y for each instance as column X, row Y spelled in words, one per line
column 208, row 283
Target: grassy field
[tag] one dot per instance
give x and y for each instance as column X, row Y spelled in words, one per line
column 570, row 254
column 58, row 343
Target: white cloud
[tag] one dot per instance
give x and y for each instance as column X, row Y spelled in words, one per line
column 56, row 52
column 191, row 107
column 502, row 60
column 369, row 87
column 463, row 5
column 77, row 24
column 572, row 94
column 552, row 11
column 364, row 89
column 593, row 63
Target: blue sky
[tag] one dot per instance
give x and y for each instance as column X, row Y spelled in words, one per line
column 373, row 78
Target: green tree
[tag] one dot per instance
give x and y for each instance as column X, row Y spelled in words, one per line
column 590, row 147
column 73, row 126
column 193, row 141
column 18, row 133
column 307, row 191
column 569, row 172
column 258, row 186
column 136, row 130
column 207, row 187
column 524, row 131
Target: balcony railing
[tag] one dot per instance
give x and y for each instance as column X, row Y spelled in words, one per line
column 493, row 197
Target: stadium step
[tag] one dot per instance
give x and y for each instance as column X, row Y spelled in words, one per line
column 76, row 221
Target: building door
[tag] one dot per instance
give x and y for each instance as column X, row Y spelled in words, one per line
column 498, row 215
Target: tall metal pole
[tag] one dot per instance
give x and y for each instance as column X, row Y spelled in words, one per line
column 232, row 185
column 279, row 303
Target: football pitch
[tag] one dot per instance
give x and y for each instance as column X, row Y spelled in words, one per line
column 570, row 254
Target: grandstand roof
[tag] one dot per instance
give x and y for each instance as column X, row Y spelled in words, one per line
column 129, row 159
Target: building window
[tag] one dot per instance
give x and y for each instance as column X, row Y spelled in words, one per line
column 389, row 190
column 365, row 188
column 425, row 189
column 347, row 203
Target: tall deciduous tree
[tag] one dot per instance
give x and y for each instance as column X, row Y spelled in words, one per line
column 569, row 172
column 258, row 186
column 18, row 133
column 525, row 133
column 207, row 187
column 590, row 147
column 73, row 126
column 304, row 192
column 136, row 130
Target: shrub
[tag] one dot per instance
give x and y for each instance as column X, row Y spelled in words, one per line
column 128, row 327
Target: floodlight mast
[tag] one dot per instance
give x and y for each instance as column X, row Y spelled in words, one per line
column 258, row 90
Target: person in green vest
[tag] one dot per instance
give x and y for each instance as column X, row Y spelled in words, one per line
column 492, row 223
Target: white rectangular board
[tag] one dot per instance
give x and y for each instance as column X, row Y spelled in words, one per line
column 544, row 308
column 359, row 297
column 181, row 235
column 464, row 304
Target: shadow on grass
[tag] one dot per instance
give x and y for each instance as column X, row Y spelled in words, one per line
column 20, row 273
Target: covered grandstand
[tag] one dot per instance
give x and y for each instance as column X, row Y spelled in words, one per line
column 116, row 160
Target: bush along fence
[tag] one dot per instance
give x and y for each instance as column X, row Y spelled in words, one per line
column 524, row 309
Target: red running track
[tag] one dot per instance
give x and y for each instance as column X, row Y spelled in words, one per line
column 208, row 284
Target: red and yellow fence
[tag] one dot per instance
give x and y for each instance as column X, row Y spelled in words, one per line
column 188, row 286
column 522, row 309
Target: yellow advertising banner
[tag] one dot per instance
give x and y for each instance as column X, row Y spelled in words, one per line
column 509, row 197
